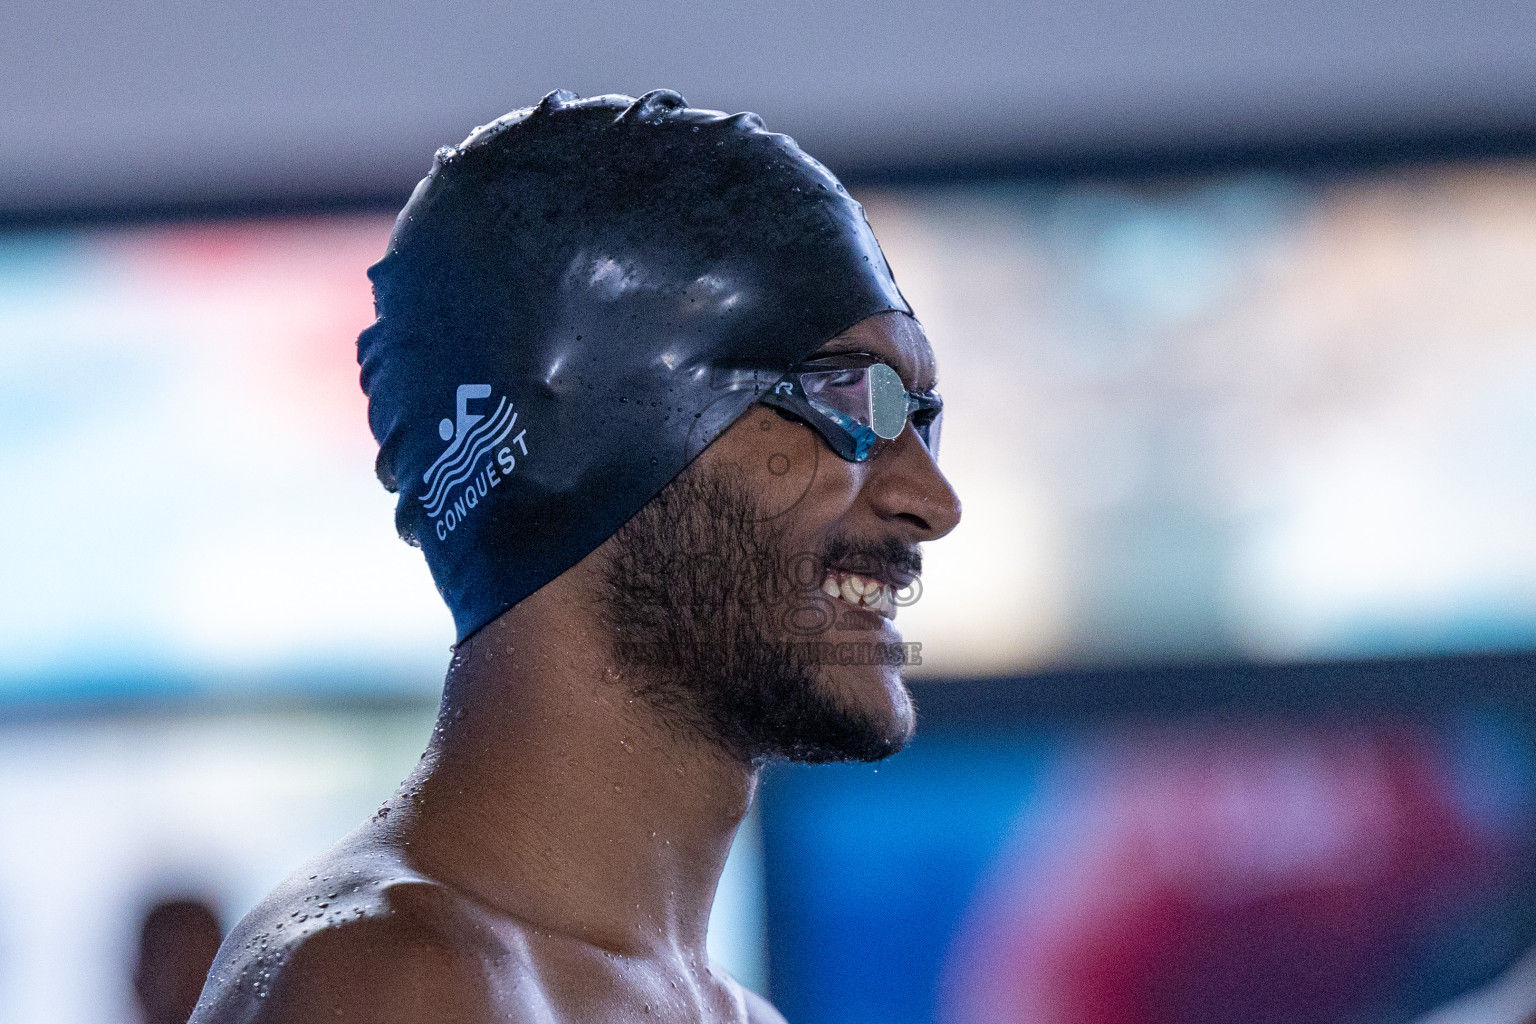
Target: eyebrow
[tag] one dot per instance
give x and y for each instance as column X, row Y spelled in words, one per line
column 846, row 350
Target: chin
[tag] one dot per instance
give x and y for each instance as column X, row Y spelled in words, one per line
column 871, row 692
column 895, row 716
column 887, row 702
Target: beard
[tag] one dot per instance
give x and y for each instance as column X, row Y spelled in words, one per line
column 703, row 589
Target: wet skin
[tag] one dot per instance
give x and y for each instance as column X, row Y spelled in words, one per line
column 554, row 856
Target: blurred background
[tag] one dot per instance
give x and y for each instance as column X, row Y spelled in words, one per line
column 1227, row 685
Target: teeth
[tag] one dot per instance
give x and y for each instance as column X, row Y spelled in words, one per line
column 860, row 592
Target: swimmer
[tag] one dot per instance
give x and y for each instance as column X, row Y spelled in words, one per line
column 666, row 432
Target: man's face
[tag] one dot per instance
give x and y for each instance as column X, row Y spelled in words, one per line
column 719, row 590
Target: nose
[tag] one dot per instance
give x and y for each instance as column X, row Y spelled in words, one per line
column 907, row 487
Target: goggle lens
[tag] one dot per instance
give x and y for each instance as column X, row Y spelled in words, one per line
column 870, row 404
column 927, row 425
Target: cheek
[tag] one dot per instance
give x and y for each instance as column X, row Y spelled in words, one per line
column 784, row 461
column 798, row 485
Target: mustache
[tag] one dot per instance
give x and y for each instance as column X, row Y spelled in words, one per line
column 888, row 559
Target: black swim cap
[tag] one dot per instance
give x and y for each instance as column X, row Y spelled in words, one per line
column 558, row 310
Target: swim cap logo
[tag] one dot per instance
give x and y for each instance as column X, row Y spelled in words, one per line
column 466, row 471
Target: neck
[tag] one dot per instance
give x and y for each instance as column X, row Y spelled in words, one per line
column 552, row 794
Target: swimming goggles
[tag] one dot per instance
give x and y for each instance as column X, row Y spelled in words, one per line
column 857, row 405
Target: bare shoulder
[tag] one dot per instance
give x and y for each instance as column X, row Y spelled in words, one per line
column 365, row 939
